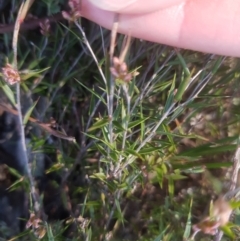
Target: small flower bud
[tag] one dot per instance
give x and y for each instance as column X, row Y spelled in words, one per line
column 10, row 75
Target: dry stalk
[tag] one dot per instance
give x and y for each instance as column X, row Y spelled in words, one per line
column 20, row 18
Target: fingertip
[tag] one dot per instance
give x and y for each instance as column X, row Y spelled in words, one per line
column 113, row 6
column 133, row 6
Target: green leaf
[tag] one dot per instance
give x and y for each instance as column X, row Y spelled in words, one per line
column 217, row 64
column 227, row 230
column 137, row 122
column 120, row 214
column 9, row 93
column 21, row 182
column 188, row 228
column 118, row 126
column 186, row 75
column 171, row 187
column 101, row 149
column 170, row 97
column 99, row 175
column 99, row 124
column 50, row 233
column 134, row 153
column 29, row 112
column 234, row 204
column 161, row 235
column 208, row 149
column 147, row 150
column 55, row 168
column 183, row 87
column 142, row 132
column 110, row 145
column 211, row 165
column 27, row 74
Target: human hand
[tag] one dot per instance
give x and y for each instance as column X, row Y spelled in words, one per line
column 202, row 25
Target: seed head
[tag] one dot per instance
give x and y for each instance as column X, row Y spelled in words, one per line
column 120, row 70
column 45, row 27
column 74, row 13
column 10, row 75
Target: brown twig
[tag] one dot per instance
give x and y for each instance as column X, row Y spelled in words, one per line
column 45, row 126
column 30, row 24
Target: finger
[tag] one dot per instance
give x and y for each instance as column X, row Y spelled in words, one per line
column 207, row 26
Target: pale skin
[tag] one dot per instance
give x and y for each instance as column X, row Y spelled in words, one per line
column 211, row 26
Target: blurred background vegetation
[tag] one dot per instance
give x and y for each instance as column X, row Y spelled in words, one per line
column 150, row 152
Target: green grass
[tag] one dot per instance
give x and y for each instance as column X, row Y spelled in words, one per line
column 141, row 146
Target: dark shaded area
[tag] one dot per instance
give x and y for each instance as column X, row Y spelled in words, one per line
column 11, row 150
column 13, row 203
column 14, row 211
